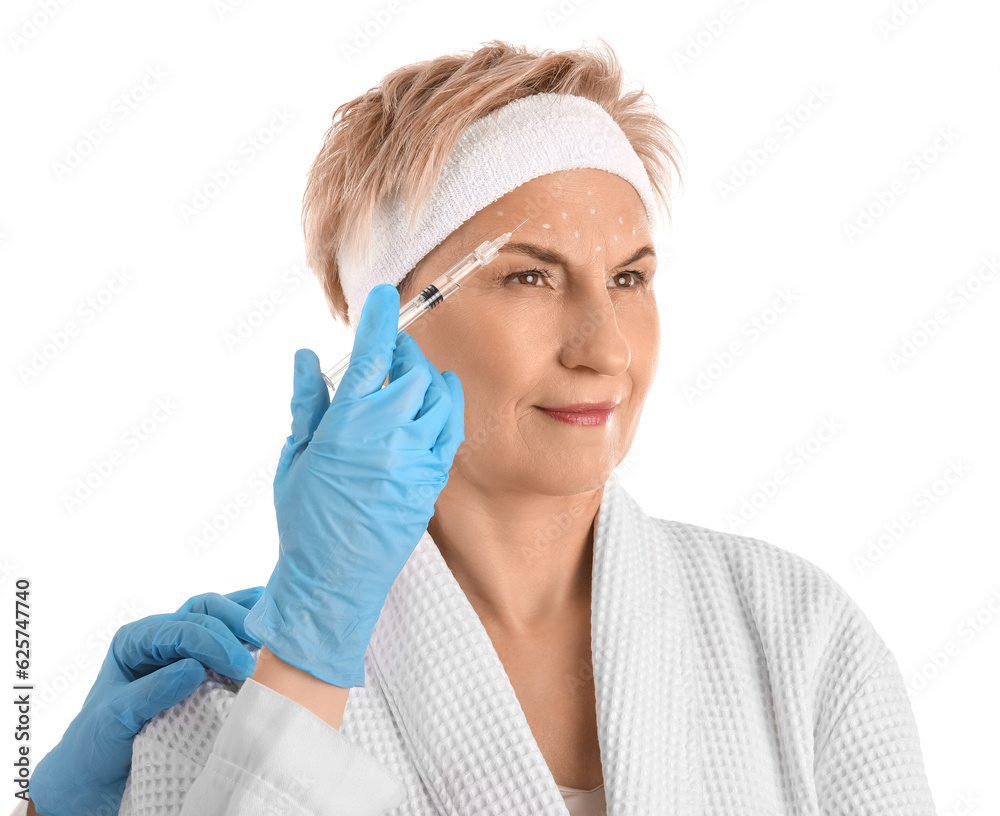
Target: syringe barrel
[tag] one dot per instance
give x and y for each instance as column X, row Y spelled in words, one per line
column 449, row 282
column 412, row 310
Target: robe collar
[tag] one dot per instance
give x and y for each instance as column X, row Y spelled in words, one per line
column 462, row 723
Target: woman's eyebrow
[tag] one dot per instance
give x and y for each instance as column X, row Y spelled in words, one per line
column 549, row 256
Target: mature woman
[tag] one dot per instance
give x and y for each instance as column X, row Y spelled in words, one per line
column 469, row 614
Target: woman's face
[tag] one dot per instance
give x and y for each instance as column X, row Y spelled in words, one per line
column 526, row 332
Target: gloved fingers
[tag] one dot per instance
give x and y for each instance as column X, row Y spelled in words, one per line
column 453, row 432
column 246, row 597
column 127, row 640
column 310, row 395
column 409, row 378
column 374, row 343
column 433, row 414
column 144, row 646
column 144, row 698
column 310, row 399
column 231, row 609
column 384, row 414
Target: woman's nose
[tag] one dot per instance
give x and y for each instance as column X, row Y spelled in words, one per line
column 591, row 336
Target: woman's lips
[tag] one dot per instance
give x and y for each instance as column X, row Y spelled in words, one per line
column 587, row 414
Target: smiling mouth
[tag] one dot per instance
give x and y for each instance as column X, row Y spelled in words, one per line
column 597, row 413
column 581, row 407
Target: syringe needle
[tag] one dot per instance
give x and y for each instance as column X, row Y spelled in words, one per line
column 516, row 228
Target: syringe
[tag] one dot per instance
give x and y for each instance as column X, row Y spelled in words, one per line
column 444, row 286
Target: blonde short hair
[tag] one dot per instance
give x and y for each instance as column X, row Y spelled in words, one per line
column 393, row 140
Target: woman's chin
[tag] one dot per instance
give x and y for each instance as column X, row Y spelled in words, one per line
column 571, row 480
column 553, row 471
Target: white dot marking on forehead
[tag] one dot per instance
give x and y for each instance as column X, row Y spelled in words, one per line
column 620, row 220
column 576, row 233
column 499, row 212
column 564, row 215
column 547, row 226
column 591, row 209
column 597, row 249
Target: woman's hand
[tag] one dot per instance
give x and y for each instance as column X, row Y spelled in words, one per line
column 354, row 490
column 152, row 664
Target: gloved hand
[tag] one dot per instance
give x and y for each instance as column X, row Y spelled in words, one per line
column 152, row 664
column 354, row 489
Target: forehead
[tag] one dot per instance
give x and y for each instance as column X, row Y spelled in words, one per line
column 587, row 205
column 575, row 201
column 585, row 189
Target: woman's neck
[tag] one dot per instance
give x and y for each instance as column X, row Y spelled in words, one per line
column 523, row 560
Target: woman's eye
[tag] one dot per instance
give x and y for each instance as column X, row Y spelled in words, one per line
column 533, row 277
column 622, row 280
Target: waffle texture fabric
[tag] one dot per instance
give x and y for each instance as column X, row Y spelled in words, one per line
column 733, row 678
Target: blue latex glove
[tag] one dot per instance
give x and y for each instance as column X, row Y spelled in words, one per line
column 152, row 664
column 354, row 489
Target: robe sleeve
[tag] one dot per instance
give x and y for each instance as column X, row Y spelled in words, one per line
column 222, row 754
column 20, row 809
column 870, row 763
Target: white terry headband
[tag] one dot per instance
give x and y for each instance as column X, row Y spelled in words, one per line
column 529, row 137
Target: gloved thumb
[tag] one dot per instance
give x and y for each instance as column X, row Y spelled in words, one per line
column 144, row 698
column 310, row 397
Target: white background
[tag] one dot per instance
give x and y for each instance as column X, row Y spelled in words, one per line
column 126, row 552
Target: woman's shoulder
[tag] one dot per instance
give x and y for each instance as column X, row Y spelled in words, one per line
column 788, row 601
column 759, row 567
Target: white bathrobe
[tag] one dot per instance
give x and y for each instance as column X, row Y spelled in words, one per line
column 732, row 677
